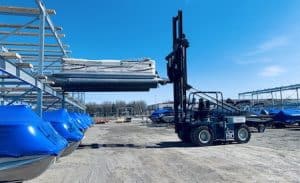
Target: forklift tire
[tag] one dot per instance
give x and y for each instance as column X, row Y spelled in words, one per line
column 261, row 128
column 202, row 136
column 184, row 136
column 242, row 134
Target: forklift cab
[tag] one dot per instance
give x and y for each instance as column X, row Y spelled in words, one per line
column 203, row 109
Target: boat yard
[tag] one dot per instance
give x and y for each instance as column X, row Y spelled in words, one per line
column 49, row 132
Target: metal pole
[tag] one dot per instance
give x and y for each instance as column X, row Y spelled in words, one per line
column 2, row 93
column 63, row 100
column 41, row 60
column 272, row 99
column 281, row 100
column 298, row 102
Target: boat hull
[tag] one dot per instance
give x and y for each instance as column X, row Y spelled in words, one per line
column 71, row 147
column 24, row 168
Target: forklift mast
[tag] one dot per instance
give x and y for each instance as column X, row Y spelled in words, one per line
column 177, row 69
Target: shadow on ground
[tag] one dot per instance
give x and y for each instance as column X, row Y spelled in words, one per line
column 293, row 129
column 161, row 145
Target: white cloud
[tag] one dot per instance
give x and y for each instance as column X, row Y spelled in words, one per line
column 272, row 71
column 269, row 45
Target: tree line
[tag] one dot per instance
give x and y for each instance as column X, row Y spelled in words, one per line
column 118, row 108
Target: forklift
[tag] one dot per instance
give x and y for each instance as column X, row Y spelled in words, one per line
column 199, row 118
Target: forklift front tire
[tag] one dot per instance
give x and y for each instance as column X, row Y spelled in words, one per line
column 242, row 134
column 202, row 136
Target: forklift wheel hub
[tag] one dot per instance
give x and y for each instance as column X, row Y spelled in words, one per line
column 204, row 136
column 243, row 134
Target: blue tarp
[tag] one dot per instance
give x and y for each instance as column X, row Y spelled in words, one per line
column 81, row 125
column 24, row 133
column 159, row 112
column 63, row 124
column 274, row 111
column 288, row 116
column 88, row 119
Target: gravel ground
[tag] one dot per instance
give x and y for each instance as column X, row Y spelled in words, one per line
column 137, row 152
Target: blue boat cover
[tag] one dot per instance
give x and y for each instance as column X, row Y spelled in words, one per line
column 85, row 118
column 63, row 124
column 159, row 112
column 24, row 133
column 77, row 121
column 274, row 111
column 288, row 116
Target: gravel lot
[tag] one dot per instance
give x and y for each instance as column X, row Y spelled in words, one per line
column 139, row 152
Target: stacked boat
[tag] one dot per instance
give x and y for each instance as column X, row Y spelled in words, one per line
column 107, row 75
column 30, row 144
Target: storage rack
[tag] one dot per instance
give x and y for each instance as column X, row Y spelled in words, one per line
column 25, row 64
column 276, row 97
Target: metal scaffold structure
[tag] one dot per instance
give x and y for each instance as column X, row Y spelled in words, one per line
column 277, row 97
column 30, row 51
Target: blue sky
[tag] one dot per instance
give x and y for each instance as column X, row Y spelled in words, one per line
column 235, row 45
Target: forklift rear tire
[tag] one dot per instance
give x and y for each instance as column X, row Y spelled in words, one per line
column 202, row 136
column 184, row 136
column 242, row 134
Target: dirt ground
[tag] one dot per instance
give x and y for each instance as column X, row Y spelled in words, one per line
column 139, row 152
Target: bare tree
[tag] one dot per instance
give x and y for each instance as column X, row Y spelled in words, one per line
column 107, row 108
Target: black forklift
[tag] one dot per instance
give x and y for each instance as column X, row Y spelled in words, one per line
column 200, row 118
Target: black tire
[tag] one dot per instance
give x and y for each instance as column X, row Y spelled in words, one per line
column 242, row 134
column 202, row 136
column 261, row 128
column 184, row 136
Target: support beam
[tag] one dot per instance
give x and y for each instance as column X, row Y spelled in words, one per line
column 24, row 65
column 14, row 89
column 63, row 101
column 10, row 55
column 30, row 44
column 52, row 104
column 46, row 60
column 273, row 104
column 13, row 10
column 41, row 58
column 24, row 55
column 19, row 97
column 15, row 31
column 281, row 99
column 35, row 56
column 34, row 50
column 298, row 102
column 30, row 34
column 3, row 25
